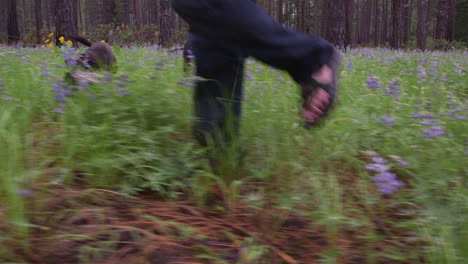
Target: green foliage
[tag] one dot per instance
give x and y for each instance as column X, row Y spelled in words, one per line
column 141, row 141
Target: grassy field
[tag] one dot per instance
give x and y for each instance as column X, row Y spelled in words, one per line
column 110, row 172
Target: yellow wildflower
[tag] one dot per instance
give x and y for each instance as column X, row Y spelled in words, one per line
column 51, row 45
column 61, row 39
column 69, row 42
column 51, row 34
column 47, row 41
column 43, row 46
column 103, row 41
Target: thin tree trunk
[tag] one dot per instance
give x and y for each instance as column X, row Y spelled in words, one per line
column 442, row 19
column 317, row 17
column 137, row 7
column 154, row 14
column 165, row 24
column 270, row 7
column 12, row 22
column 126, row 13
column 280, row 11
column 367, row 18
column 451, row 21
column 377, row 18
column 407, row 21
column 397, row 24
column 336, row 31
column 65, row 23
column 422, row 25
column 38, row 13
column 348, row 22
column 304, row 9
column 357, row 32
column 384, row 28
column 325, row 15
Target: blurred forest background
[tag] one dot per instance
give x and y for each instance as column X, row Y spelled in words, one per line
column 423, row 24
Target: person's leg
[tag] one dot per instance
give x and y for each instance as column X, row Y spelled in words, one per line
column 217, row 97
column 308, row 59
column 242, row 23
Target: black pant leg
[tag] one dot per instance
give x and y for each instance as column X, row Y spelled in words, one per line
column 218, row 98
column 242, row 23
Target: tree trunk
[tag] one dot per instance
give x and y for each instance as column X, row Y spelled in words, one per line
column 336, row 32
column 397, row 24
column 367, row 21
column 165, row 24
column 348, row 22
column 280, row 11
column 317, row 17
column 108, row 12
column 422, row 25
column 442, row 19
column 154, row 17
column 357, row 34
column 298, row 15
column 407, row 20
column 38, row 13
column 3, row 16
column 270, row 7
column 377, row 18
column 384, row 30
column 304, row 11
column 12, row 23
column 126, row 13
column 65, row 19
column 137, row 7
column 325, row 16
column 451, row 21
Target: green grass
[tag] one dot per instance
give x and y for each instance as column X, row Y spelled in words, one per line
column 143, row 142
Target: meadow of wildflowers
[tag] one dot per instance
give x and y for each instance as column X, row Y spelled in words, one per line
column 383, row 180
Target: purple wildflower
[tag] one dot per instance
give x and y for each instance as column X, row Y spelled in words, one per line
column 124, row 78
column 427, row 121
column 46, row 71
column 421, row 116
column 434, row 131
column 122, row 89
column 388, row 121
column 387, row 183
column 379, row 160
column 350, row 65
column 187, row 83
column 72, row 61
column 393, row 89
column 23, row 192
column 403, row 163
column 108, row 77
column 377, row 167
column 58, row 110
column 67, row 53
column 60, row 94
column 456, row 109
column 451, row 102
column 421, row 74
column 373, row 82
column 123, row 93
